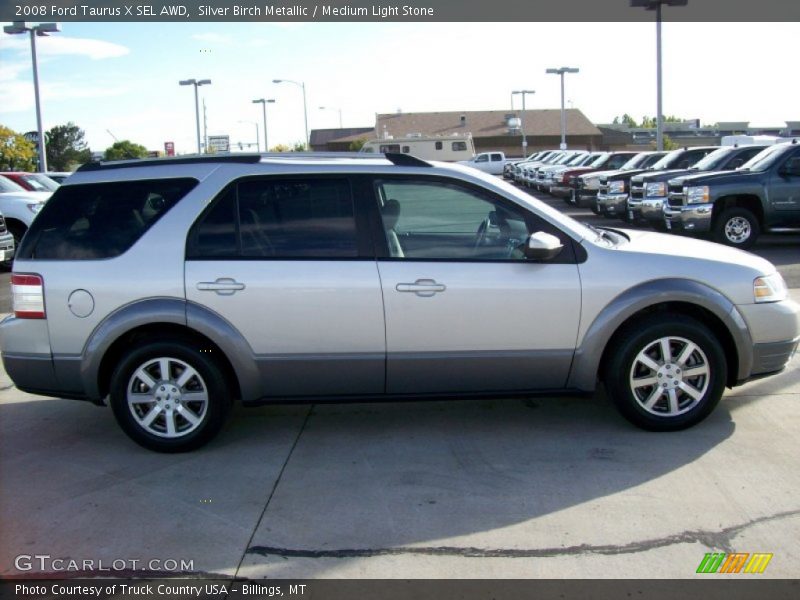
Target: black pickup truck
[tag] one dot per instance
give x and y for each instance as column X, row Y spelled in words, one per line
column 736, row 206
column 653, row 185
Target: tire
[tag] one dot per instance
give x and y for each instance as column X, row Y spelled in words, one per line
column 737, row 227
column 593, row 206
column 669, row 407
column 193, row 422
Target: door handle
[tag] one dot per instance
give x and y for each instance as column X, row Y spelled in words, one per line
column 224, row 286
column 422, row 287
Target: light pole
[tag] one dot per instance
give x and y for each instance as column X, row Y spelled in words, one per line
column 263, row 102
column 302, row 85
column 258, row 143
column 40, row 30
column 656, row 6
column 561, row 71
column 336, row 109
column 522, row 118
column 196, row 85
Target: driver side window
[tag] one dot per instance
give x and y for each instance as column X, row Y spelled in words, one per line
column 437, row 220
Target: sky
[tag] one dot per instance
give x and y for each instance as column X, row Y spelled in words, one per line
column 120, row 80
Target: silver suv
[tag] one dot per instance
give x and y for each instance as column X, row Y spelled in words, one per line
column 170, row 288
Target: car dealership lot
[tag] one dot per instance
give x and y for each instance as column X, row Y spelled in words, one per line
column 501, row 488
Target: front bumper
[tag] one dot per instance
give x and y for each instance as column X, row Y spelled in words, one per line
column 7, row 248
column 561, row 190
column 694, row 217
column 775, row 330
column 612, row 205
column 652, row 209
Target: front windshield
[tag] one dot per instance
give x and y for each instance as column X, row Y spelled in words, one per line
column 576, row 159
column 712, row 161
column 6, row 185
column 667, row 160
column 40, row 183
column 765, row 159
column 636, row 161
column 599, row 160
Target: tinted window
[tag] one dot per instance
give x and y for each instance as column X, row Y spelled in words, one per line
column 438, row 145
column 278, row 218
column 443, row 221
column 102, row 220
column 389, row 148
column 459, row 146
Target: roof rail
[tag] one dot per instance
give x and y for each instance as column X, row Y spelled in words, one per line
column 181, row 160
column 405, row 160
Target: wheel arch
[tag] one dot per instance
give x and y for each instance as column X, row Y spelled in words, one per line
column 166, row 318
column 688, row 297
column 748, row 200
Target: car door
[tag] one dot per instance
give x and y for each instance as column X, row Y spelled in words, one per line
column 465, row 311
column 281, row 260
column 784, row 192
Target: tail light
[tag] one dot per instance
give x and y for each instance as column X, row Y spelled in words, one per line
column 27, row 292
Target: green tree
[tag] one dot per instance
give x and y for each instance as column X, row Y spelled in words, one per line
column 125, row 149
column 356, row 145
column 299, row 147
column 669, row 143
column 66, row 147
column 16, row 153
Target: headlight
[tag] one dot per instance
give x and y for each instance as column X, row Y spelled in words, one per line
column 616, row 187
column 696, row 194
column 657, row 190
column 770, row 288
column 35, row 208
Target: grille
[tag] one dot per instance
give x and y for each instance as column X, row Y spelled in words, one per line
column 675, row 198
column 603, row 189
column 637, row 191
column 3, row 228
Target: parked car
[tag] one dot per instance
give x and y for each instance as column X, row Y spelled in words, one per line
column 493, row 163
column 533, row 179
column 294, row 279
column 523, row 171
column 511, row 166
column 33, row 182
column 7, row 246
column 655, row 184
column 548, row 177
column 682, row 158
column 594, row 186
column 612, row 199
column 566, row 187
column 19, row 207
column 735, row 207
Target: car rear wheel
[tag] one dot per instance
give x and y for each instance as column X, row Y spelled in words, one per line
column 666, row 373
column 737, row 227
column 169, row 396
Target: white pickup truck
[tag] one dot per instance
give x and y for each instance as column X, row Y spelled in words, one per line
column 488, row 162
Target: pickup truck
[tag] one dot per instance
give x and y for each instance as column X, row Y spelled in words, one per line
column 585, row 186
column 736, row 206
column 488, row 162
column 655, row 184
column 612, row 193
column 566, row 185
column 511, row 166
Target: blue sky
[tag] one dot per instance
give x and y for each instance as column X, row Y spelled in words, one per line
column 123, row 77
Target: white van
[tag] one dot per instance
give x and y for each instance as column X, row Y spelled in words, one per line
column 446, row 148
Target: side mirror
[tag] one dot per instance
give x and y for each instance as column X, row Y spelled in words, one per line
column 542, row 246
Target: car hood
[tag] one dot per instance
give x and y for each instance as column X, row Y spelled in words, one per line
column 600, row 173
column 674, row 247
column 625, row 174
column 26, row 196
column 719, row 177
column 665, row 175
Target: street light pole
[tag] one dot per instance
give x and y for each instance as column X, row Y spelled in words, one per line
column 656, row 5
column 562, row 71
column 336, row 109
column 263, row 102
column 302, row 85
column 196, row 85
column 43, row 29
column 522, row 118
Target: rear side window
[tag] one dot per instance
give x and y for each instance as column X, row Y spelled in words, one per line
column 100, row 220
column 278, row 218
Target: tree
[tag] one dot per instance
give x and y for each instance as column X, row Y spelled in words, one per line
column 125, row 149
column 66, row 147
column 356, row 145
column 299, row 147
column 669, row 143
column 280, row 148
column 16, row 153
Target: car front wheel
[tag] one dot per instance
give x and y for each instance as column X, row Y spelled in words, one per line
column 737, row 227
column 666, row 373
column 169, row 396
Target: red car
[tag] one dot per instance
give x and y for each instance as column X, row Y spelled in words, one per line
column 32, row 182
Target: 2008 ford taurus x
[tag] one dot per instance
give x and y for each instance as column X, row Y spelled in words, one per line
column 170, row 288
